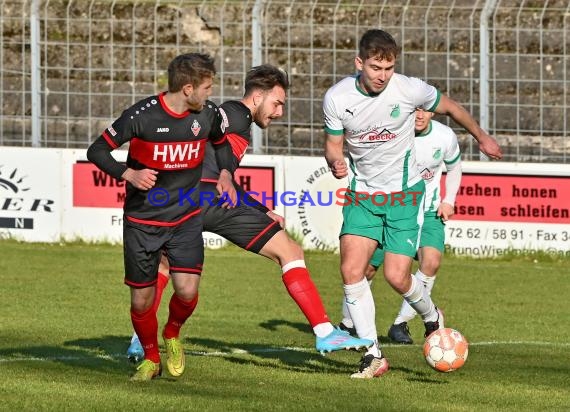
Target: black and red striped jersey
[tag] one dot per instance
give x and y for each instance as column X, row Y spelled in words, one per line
column 237, row 122
column 174, row 144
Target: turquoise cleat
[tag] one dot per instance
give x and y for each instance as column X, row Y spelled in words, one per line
column 135, row 353
column 339, row 340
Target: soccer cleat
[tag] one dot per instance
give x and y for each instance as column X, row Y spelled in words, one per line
column 340, row 339
column 351, row 331
column 433, row 326
column 146, row 371
column 175, row 358
column 371, row 367
column 135, row 353
column 400, row 333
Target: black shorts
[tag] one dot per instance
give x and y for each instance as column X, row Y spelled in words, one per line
column 143, row 245
column 244, row 225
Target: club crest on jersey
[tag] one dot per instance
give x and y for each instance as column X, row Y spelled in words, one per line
column 395, row 111
column 426, row 174
column 436, row 152
column 195, row 127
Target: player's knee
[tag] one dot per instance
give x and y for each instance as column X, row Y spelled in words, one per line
column 430, row 266
column 186, row 285
column 187, row 293
column 370, row 272
column 141, row 302
column 398, row 280
column 295, row 249
column 351, row 273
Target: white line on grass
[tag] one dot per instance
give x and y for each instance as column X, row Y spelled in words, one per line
column 260, row 350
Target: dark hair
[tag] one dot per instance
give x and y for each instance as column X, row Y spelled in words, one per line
column 377, row 43
column 265, row 78
column 189, row 68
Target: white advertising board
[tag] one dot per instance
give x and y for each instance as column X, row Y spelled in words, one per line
column 30, row 194
column 311, row 196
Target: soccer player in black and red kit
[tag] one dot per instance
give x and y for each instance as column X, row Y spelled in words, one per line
column 168, row 134
column 251, row 225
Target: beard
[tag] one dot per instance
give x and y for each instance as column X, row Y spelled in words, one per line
column 262, row 120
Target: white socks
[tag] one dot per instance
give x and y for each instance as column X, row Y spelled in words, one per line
column 419, row 299
column 407, row 313
column 322, row 330
column 346, row 319
column 428, row 281
column 360, row 304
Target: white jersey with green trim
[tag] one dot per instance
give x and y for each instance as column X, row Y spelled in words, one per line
column 434, row 148
column 379, row 130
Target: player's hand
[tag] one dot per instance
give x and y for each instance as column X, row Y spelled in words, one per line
column 445, row 211
column 278, row 218
column 143, row 179
column 339, row 169
column 489, row 146
column 226, row 189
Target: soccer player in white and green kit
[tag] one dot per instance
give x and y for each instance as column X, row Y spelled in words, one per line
column 374, row 113
column 436, row 148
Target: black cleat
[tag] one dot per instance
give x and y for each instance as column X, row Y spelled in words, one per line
column 400, row 333
column 351, row 331
column 433, row 326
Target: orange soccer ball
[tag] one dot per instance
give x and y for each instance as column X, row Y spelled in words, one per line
column 446, row 350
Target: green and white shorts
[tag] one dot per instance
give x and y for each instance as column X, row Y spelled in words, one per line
column 432, row 235
column 392, row 219
column 433, row 231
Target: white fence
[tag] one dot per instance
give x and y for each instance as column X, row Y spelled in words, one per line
column 68, row 67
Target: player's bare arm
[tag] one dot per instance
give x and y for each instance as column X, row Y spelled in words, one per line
column 487, row 143
column 334, row 155
column 143, row 179
column 446, row 208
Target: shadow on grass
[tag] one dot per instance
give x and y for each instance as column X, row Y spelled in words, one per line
column 274, row 324
column 107, row 354
column 269, row 356
column 426, row 376
column 279, row 357
column 93, row 354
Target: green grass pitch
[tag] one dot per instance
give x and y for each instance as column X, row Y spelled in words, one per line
column 65, row 327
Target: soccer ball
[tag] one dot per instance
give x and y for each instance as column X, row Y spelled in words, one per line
column 446, row 350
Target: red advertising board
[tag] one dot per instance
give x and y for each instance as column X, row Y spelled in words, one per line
column 513, row 198
column 94, row 188
column 259, row 181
